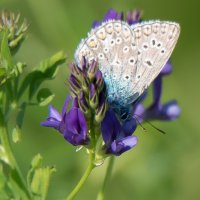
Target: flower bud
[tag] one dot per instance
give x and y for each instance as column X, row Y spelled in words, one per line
column 92, row 70
column 85, row 84
column 83, row 104
column 16, row 32
column 93, row 96
column 74, row 84
column 99, row 80
column 76, row 71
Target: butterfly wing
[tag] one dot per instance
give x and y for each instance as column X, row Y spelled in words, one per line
column 111, row 45
column 130, row 57
column 155, row 41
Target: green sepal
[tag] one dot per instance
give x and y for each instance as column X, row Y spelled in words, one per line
column 44, row 96
column 100, row 113
column 94, row 101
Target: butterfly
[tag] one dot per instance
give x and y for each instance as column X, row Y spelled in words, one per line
column 130, row 57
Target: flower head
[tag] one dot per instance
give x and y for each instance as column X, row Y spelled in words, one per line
column 16, row 32
column 71, row 124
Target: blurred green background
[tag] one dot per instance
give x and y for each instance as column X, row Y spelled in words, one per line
column 160, row 167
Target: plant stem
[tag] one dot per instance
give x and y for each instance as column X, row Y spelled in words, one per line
column 83, row 178
column 10, row 157
column 100, row 195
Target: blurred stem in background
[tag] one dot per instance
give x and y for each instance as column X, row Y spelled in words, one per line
column 84, row 177
column 107, row 178
column 88, row 171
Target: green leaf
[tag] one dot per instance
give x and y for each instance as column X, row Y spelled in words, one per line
column 44, row 97
column 40, row 182
column 38, row 178
column 37, row 161
column 2, row 71
column 35, row 164
column 3, row 184
column 5, row 54
column 20, row 114
column 17, row 188
column 46, row 70
column 4, row 156
column 16, row 134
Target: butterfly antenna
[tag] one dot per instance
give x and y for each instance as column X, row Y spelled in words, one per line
column 148, row 122
column 143, row 128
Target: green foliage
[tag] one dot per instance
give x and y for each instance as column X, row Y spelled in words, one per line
column 38, row 178
column 14, row 102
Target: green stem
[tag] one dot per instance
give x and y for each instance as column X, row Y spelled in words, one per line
column 100, row 195
column 83, row 178
column 10, row 157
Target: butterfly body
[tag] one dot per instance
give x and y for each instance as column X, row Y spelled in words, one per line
column 129, row 57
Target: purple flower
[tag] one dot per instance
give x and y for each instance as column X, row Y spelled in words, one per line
column 157, row 110
column 131, row 17
column 76, row 127
column 118, row 138
column 71, row 124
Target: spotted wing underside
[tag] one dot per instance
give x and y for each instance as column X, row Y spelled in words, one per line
column 130, row 57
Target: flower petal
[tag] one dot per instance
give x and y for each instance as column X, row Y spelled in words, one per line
column 51, row 123
column 65, row 106
column 167, row 69
column 133, row 17
column 76, row 127
column 170, row 110
column 110, row 127
column 129, row 127
column 139, row 113
column 53, row 113
column 111, row 14
column 120, row 146
column 96, row 24
column 157, row 91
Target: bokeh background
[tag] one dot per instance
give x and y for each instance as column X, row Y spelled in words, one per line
column 160, row 166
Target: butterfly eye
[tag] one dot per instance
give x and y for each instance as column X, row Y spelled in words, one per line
column 158, row 46
column 125, row 49
column 138, row 77
column 131, row 61
column 112, row 42
column 153, row 42
column 127, row 77
column 105, row 50
column 101, row 56
column 145, row 46
column 162, row 51
column 148, row 63
column 133, row 45
column 117, row 62
column 118, row 40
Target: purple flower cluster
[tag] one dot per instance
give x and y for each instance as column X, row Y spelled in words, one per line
column 90, row 119
column 71, row 124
